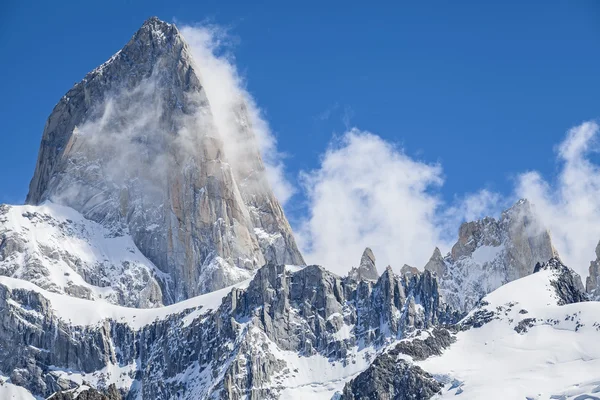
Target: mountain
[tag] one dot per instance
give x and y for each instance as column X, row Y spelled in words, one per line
column 533, row 338
column 153, row 261
column 59, row 250
column 135, row 148
column 366, row 269
column 289, row 332
column 490, row 253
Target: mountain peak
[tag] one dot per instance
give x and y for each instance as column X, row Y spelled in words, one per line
column 136, row 147
column 154, row 21
column 156, row 28
column 366, row 269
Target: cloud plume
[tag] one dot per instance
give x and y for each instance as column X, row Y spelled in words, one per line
column 570, row 206
column 231, row 103
column 367, row 192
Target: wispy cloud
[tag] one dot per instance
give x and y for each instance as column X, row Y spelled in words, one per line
column 369, row 192
column 570, row 205
column 347, row 117
column 211, row 48
column 326, row 114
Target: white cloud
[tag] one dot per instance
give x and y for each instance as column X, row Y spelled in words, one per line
column 230, row 101
column 369, row 193
column 570, row 206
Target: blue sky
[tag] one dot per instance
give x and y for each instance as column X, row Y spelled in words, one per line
column 486, row 90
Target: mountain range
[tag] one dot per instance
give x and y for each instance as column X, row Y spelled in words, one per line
column 152, row 260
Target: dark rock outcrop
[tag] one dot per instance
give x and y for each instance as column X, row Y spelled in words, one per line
column 568, row 285
column 88, row 394
column 388, row 378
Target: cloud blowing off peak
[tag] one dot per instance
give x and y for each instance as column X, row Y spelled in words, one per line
column 368, row 192
column 171, row 141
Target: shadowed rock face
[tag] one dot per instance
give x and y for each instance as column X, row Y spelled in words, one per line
column 134, row 146
column 592, row 283
column 388, row 378
column 490, row 253
column 568, row 285
column 226, row 353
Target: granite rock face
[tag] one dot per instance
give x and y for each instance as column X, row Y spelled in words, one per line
column 134, row 147
column 592, row 282
column 366, row 268
column 490, row 253
column 239, row 349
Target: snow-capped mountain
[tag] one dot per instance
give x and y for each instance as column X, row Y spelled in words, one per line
column 153, row 261
column 490, row 253
column 134, row 147
column 534, row 338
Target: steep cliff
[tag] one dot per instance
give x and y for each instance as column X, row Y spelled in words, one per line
column 286, row 328
column 134, row 147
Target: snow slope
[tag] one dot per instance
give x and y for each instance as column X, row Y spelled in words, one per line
column 532, row 349
column 80, row 312
column 56, row 248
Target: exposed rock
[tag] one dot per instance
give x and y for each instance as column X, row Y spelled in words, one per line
column 524, row 325
column 490, row 253
column 134, row 147
column 409, row 271
column 436, row 263
column 228, row 352
column 391, row 377
column 87, row 393
column 388, row 378
column 366, row 269
column 568, row 285
column 592, row 283
column 421, row 349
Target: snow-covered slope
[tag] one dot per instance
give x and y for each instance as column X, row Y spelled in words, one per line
column 530, row 345
column 54, row 247
column 90, row 314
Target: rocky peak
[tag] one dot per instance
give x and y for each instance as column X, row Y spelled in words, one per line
column 490, row 253
column 436, row 263
column 134, row 146
column 408, row 271
column 366, row 269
